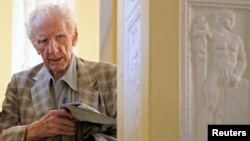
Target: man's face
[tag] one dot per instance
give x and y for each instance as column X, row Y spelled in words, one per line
column 229, row 22
column 53, row 41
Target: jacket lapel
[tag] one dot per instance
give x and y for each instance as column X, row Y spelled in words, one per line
column 87, row 85
column 88, row 92
column 42, row 100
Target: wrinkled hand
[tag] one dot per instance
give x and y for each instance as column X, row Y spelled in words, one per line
column 55, row 122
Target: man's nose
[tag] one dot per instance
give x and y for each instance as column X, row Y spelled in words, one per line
column 53, row 47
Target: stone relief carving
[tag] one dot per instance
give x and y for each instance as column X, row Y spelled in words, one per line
column 201, row 33
column 217, row 90
column 228, row 62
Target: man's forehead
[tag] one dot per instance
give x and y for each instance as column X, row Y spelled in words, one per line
column 45, row 19
column 44, row 34
column 47, row 26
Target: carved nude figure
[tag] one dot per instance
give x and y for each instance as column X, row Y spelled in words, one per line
column 201, row 33
column 228, row 63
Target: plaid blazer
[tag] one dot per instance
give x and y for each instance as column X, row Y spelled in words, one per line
column 27, row 97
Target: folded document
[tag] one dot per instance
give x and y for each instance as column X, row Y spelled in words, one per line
column 83, row 112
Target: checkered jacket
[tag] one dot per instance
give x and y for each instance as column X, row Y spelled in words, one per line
column 28, row 99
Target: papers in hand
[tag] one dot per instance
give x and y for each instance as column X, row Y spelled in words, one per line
column 83, row 112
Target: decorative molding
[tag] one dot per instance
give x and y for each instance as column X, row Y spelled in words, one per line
column 130, row 7
column 132, row 77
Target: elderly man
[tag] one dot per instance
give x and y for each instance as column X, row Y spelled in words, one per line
column 32, row 107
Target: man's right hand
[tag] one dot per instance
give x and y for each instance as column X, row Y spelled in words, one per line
column 55, row 122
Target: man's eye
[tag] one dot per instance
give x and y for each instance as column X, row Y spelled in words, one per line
column 60, row 36
column 42, row 41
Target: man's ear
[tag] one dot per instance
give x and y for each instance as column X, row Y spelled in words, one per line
column 75, row 37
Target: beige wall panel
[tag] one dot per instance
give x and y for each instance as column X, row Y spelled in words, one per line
column 5, row 45
column 164, row 70
column 157, row 60
column 88, row 20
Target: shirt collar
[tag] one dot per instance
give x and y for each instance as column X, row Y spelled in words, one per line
column 70, row 76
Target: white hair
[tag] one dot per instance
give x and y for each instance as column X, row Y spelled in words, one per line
column 48, row 10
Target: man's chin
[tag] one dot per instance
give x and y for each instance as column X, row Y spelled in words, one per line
column 57, row 70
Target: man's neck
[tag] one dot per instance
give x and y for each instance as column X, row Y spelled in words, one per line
column 58, row 75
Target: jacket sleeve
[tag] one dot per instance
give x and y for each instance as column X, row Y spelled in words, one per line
column 9, row 117
column 15, row 133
